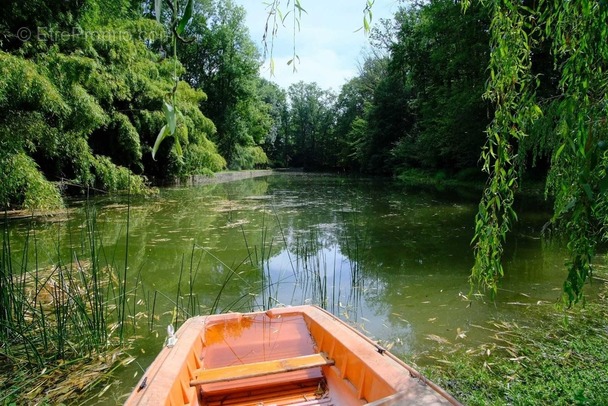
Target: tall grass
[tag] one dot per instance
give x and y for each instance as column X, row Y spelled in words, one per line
column 58, row 317
column 549, row 357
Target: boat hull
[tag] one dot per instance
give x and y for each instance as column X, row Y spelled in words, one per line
column 298, row 355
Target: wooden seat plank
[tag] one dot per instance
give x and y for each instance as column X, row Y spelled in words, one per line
column 257, row 369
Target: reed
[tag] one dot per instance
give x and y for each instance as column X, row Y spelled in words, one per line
column 313, row 273
column 59, row 318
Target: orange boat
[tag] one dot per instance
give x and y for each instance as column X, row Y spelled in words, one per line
column 286, row 356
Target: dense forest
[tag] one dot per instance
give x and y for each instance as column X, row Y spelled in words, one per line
column 85, row 85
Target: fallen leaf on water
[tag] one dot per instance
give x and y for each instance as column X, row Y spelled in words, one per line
column 460, row 333
column 437, row 339
column 104, row 390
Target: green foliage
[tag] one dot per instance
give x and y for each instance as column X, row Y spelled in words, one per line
column 223, row 60
column 113, row 178
column 85, row 107
column 444, row 53
column 128, row 147
column 574, row 132
column 24, row 186
column 248, row 157
column 417, row 100
column 390, row 120
column 202, row 160
column 353, row 106
column 26, row 86
column 533, row 361
column 277, row 17
column 177, row 25
column 309, row 138
column 511, row 90
column 578, row 173
column 275, row 141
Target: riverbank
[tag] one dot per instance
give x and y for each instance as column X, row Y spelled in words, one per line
column 222, row 177
column 194, row 180
column 549, row 356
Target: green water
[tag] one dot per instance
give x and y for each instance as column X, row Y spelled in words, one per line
column 392, row 260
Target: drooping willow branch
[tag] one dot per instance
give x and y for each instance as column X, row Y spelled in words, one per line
column 511, row 90
column 276, row 18
column 177, row 27
column 578, row 175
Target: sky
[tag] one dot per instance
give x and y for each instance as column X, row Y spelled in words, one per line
column 328, row 44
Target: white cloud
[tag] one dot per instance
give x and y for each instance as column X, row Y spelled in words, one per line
column 327, row 45
column 322, row 66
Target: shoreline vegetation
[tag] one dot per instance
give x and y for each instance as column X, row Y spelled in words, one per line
column 551, row 355
column 192, row 180
column 62, row 324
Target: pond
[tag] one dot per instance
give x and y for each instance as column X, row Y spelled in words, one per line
column 392, row 260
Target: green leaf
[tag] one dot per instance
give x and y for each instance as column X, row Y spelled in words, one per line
column 604, row 184
column 281, row 17
column 568, row 207
column 158, row 9
column 178, row 147
column 588, row 191
column 185, row 18
column 298, row 5
column 164, row 132
column 170, row 116
column 365, row 25
column 559, row 151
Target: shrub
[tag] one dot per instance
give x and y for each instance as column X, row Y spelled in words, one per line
column 23, row 185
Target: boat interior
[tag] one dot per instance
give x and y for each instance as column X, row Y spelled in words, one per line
column 286, row 357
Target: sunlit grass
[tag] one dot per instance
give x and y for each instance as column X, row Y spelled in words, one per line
column 550, row 356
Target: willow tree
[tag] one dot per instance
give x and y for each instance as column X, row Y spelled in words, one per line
column 578, row 36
